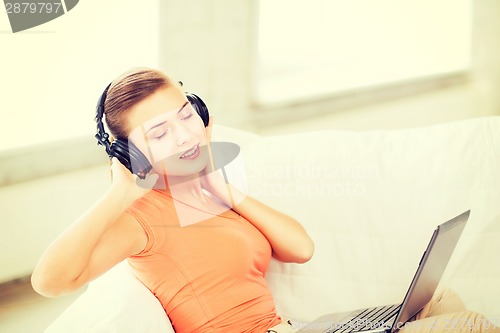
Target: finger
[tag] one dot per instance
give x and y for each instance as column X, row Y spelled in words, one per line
column 114, row 164
column 119, row 165
column 209, row 128
column 210, row 122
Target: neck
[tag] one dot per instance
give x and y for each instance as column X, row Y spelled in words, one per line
column 184, row 188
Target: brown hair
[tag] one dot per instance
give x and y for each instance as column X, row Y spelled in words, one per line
column 127, row 90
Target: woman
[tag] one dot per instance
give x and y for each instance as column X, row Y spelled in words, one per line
column 199, row 244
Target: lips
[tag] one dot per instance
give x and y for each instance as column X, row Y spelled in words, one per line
column 191, row 153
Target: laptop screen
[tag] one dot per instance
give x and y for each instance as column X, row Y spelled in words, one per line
column 431, row 268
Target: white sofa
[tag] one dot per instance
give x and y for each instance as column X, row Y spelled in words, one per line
column 370, row 200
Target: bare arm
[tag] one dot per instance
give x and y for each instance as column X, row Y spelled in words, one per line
column 95, row 242
column 288, row 238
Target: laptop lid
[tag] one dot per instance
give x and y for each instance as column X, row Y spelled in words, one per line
column 431, row 268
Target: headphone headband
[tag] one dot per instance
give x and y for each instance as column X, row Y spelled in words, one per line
column 101, row 135
column 100, row 103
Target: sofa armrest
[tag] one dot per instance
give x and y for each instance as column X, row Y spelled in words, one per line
column 113, row 303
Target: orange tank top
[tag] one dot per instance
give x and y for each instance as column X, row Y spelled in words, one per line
column 208, row 276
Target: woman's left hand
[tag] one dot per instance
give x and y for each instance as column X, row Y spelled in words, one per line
column 211, row 180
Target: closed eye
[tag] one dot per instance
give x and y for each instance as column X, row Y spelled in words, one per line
column 162, row 135
column 159, row 137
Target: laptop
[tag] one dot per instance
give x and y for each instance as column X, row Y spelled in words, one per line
column 391, row 318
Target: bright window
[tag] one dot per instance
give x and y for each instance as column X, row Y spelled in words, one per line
column 52, row 75
column 316, row 47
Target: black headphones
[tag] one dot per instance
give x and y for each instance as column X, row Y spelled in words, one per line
column 127, row 153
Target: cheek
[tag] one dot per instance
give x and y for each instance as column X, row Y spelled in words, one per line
column 152, row 149
column 161, row 150
column 198, row 129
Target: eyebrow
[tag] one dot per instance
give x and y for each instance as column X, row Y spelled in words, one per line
column 163, row 122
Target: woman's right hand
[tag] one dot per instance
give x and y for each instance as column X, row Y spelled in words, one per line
column 127, row 185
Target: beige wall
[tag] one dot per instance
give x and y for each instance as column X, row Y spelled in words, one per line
column 208, row 45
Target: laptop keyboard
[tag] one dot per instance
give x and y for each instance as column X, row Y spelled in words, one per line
column 368, row 319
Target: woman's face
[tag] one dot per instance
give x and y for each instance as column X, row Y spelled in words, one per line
column 169, row 132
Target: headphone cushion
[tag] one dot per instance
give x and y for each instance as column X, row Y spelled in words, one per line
column 131, row 157
column 200, row 107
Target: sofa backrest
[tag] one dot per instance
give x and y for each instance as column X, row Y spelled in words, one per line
column 371, row 201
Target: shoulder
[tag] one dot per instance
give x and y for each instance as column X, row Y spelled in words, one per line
column 126, row 234
column 153, row 211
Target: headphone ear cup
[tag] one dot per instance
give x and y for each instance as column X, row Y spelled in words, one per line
column 131, row 157
column 140, row 163
column 119, row 149
column 200, row 107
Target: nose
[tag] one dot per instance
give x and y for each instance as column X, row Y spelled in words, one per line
column 183, row 134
